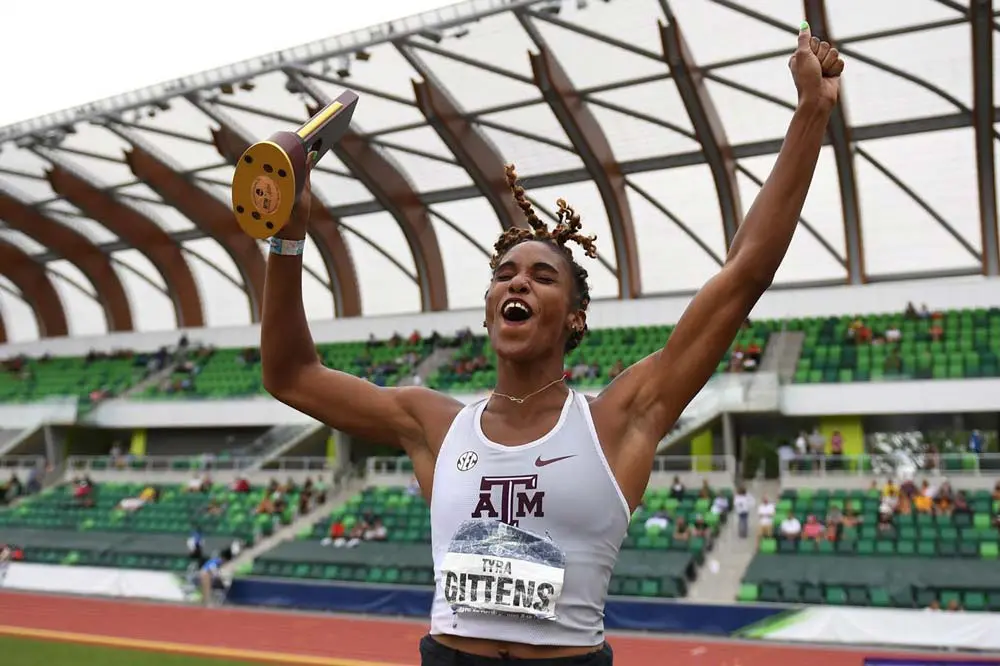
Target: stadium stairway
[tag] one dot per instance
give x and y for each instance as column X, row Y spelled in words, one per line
column 349, row 487
column 720, row 578
column 154, row 379
column 291, row 437
column 782, row 354
column 438, row 358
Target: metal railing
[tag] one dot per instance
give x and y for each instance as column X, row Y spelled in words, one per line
column 895, row 465
column 693, row 464
column 181, row 464
column 18, row 463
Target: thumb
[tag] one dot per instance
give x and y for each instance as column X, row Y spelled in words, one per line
column 805, row 35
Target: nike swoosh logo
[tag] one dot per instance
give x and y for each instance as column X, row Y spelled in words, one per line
column 542, row 463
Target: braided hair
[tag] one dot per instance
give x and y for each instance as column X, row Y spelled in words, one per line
column 567, row 229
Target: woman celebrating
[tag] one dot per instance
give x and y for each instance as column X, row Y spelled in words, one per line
column 531, row 490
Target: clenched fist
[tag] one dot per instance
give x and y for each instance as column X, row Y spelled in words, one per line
column 816, row 68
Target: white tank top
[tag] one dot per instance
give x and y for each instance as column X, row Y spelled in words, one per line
column 525, row 537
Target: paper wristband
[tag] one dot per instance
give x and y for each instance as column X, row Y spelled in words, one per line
column 286, row 247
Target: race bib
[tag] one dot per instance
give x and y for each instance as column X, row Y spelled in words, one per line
column 494, row 568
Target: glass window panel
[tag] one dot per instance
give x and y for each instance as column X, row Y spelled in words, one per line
column 225, row 304
column 316, row 296
column 84, row 314
column 384, row 289
column 18, row 317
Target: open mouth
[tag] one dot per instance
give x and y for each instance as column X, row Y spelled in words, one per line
column 516, row 311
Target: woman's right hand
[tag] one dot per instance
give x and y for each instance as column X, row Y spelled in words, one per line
column 299, row 222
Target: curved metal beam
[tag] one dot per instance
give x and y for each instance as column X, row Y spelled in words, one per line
column 708, row 126
column 323, row 229
column 981, row 13
column 209, row 214
column 78, row 250
column 139, row 232
column 473, row 149
column 840, row 137
column 595, row 151
column 36, row 288
column 393, row 190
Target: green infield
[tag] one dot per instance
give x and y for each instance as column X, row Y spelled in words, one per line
column 32, row 652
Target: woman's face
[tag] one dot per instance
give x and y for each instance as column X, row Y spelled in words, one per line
column 529, row 309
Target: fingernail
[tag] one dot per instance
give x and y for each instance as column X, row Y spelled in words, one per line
column 804, row 26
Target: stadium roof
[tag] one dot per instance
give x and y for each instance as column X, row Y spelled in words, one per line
column 657, row 120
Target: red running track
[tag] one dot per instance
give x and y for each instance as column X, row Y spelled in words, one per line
column 288, row 637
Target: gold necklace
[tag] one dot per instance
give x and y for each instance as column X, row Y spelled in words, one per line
column 532, row 394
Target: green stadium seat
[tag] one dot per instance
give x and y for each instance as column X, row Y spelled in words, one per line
column 927, row 557
column 968, row 348
column 601, row 349
column 652, row 563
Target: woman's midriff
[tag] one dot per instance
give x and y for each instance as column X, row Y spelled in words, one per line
column 490, row 648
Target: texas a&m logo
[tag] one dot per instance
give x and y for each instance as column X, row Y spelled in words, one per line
column 509, row 498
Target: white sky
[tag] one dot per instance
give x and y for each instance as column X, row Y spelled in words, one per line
column 74, row 52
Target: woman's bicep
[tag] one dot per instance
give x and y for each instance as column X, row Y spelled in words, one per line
column 390, row 416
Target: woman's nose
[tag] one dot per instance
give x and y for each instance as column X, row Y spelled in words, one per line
column 518, row 284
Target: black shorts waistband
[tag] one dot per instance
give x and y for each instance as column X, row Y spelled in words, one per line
column 433, row 653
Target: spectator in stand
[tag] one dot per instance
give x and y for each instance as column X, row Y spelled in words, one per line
column 11, row 490
column 836, row 451
column 240, row 485
column 954, row 606
column 720, row 505
column 790, row 528
column 677, row 489
column 923, row 503
column 765, row 517
column 886, row 525
column 376, row 532
column 83, row 492
column 34, row 483
column 817, row 443
column 976, row 442
column 336, row 534
column 813, row 530
column 682, row 532
column 961, row 505
column 742, row 503
column 658, row 522
column 850, row 518
column 354, row 536
column 700, row 529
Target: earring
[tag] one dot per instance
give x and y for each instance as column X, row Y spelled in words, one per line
column 484, row 323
